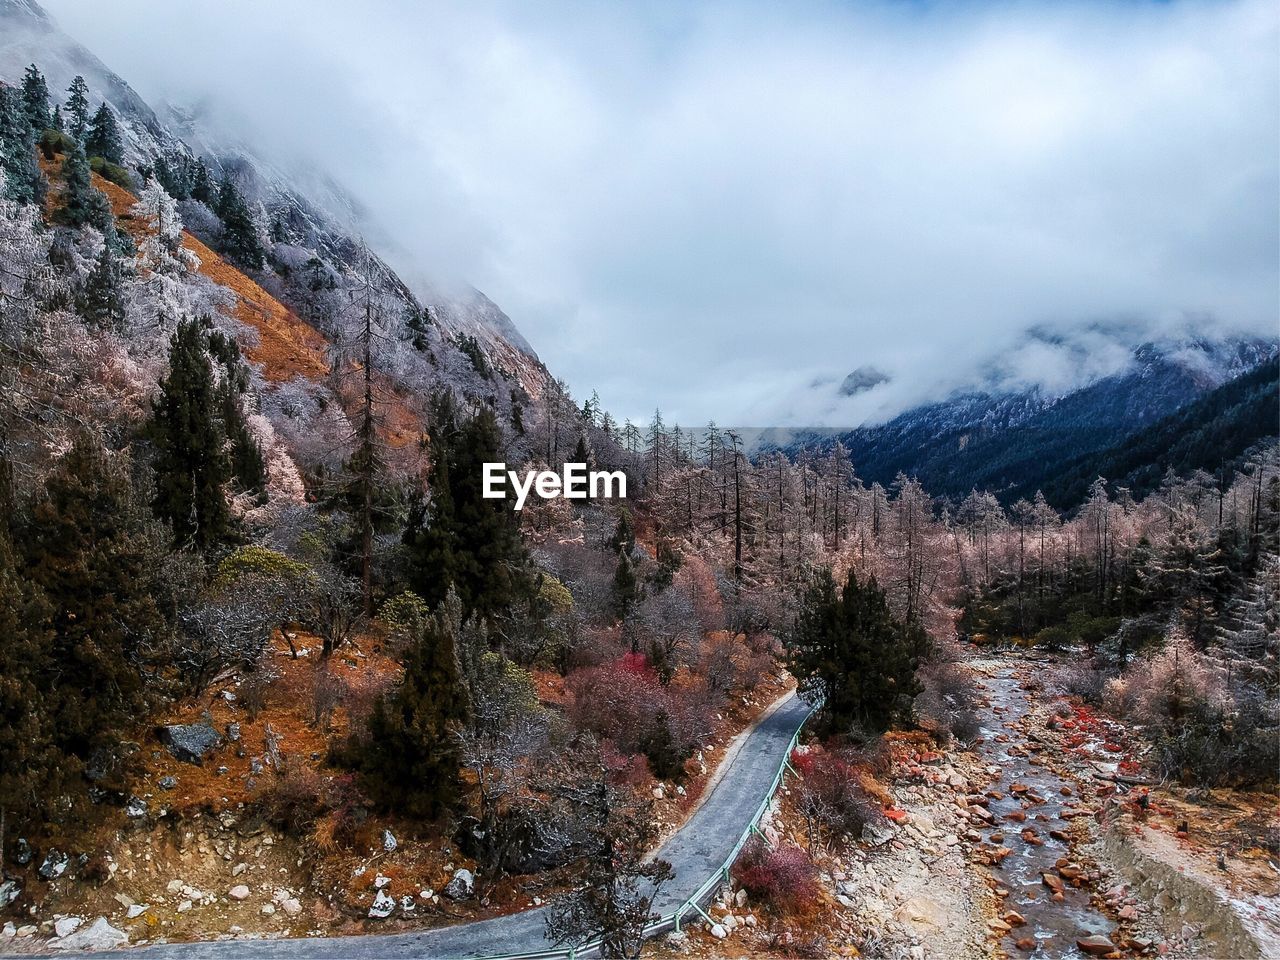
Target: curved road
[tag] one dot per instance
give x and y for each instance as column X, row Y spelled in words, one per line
column 695, row 852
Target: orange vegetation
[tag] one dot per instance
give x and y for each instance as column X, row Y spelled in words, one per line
column 287, row 346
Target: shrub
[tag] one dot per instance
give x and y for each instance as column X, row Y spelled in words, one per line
column 945, row 703
column 111, row 171
column 830, row 794
column 624, row 702
column 783, row 878
column 259, row 562
column 327, row 692
column 404, row 611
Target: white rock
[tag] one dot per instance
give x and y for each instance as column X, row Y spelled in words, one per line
column 184, row 906
column 740, row 898
column 388, row 841
column 238, row 869
column 99, row 935
column 750, row 920
column 729, row 921
column 383, row 905
column 380, row 881
column 292, row 906
column 718, row 931
column 175, row 886
column 268, row 909
column 65, row 926
column 9, row 931
column 238, row 892
column 137, row 910
column 427, row 894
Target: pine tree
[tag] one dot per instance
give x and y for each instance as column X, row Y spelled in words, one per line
column 465, row 540
column 202, row 185
column 850, row 651
column 23, row 180
column 240, row 238
column 35, row 99
column 82, row 203
column 103, row 139
column 190, row 463
column 96, row 558
column 626, row 590
column 30, row 764
column 412, row 760
column 56, row 122
column 78, row 109
column 101, row 302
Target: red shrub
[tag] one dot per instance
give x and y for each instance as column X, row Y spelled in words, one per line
column 783, row 877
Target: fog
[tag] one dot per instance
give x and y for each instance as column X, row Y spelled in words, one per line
column 724, row 209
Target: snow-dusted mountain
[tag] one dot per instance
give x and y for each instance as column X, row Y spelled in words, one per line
column 311, row 214
column 1014, row 441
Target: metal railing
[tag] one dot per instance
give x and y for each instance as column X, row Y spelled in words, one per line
column 692, row 904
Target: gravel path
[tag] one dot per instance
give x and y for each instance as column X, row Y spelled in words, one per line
column 694, row 851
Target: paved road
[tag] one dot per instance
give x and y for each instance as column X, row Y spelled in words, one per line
column 694, row 851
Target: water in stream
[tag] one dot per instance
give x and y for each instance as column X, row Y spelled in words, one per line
column 1032, row 791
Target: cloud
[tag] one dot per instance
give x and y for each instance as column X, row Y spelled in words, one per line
column 709, row 208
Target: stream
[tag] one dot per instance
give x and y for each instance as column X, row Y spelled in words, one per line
column 1026, row 801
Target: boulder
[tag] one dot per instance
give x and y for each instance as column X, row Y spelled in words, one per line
column 1053, row 882
column 462, row 886
column 136, row 808
column 9, row 891
column 1096, row 945
column 291, row 905
column 718, row 931
column 189, row 742
column 23, row 854
column 388, row 841
column 9, row 931
column 876, row 834
column 238, row 892
column 383, row 906
column 53, row 866
column 99, row 935
column 65, row 926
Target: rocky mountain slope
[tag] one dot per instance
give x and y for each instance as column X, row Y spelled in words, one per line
column 310, row 223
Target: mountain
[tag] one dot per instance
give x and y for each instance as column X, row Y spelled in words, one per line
column 313, row 223
column 1215, row 430
column 1015, row 442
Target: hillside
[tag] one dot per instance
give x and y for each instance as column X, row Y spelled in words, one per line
column 1210, row 434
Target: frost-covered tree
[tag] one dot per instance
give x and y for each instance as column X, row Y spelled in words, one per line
column 23, row 180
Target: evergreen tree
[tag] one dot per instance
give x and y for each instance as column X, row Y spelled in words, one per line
column 35, row 99
column 240, row 238
column 626, row 590
column 96, row 559
column 56, row 122
column 30, row 765
column 190, row 463
column 412, row 760
column 101, row 302
column 463, row 539
column 202, row 185
column 82, row 203
column 23, row 180
column 78, row 109
column 103, row 139
column 849, row 650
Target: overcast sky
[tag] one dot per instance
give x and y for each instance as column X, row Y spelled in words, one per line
column 725, row 208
